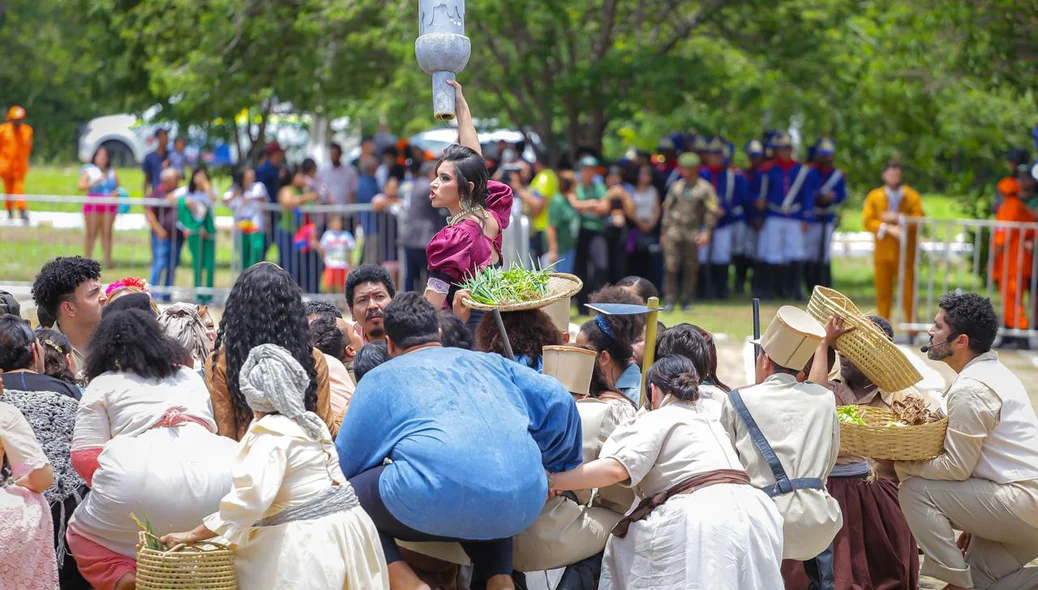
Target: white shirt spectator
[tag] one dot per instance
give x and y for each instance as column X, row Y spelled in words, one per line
column 341, row 181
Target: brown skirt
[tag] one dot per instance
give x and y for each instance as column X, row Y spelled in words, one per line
column 875, row 549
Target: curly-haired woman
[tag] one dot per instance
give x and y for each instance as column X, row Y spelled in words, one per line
column 529, row 331
column 265, row 306
column 145, row 442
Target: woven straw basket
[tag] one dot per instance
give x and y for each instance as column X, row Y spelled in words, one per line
column 195, row 566
column 560, row 286
column 867, row 346
column 898, row 443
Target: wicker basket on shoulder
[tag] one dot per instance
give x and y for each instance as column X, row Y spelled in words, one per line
column 560, row 286
column 867, row 346
column 195, row 566
column 897, row 443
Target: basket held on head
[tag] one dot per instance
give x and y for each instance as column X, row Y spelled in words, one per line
column 867, row 346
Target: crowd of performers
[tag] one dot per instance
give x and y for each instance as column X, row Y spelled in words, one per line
column 400, row 449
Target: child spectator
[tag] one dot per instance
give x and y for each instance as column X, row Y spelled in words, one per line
column 336, row 245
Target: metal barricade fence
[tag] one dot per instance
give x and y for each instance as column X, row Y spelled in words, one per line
column 992, row 258
column 205, row 267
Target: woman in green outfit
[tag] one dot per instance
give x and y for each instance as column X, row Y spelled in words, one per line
column 195, row 217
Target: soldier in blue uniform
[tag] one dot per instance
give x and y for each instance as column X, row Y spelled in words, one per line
column 831, row 192
column 732, row 190
column 744, row 244
column 787, row 211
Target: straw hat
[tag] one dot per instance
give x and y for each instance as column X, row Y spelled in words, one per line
column 791, row 338
column 571, row 365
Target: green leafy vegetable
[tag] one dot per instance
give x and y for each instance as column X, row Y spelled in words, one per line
column 850, row 415
column 497, row 286
column 152, row 542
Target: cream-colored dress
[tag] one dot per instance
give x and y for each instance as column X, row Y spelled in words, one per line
column 278, row 467
column 722, row 537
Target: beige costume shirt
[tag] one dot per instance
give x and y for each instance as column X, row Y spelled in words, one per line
column 800, row 423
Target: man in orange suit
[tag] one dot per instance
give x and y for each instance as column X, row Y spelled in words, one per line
column 884, row 209
column 15, row 147
column 1013, row 252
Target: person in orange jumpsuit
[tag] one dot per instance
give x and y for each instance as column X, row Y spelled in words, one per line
column 884, row 207
column 1013, row 254
column 15, row 147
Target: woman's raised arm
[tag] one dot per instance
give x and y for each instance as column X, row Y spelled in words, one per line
column 467, row 135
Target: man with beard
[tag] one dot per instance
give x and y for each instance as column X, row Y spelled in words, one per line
column 985, row 483
column 369, row 289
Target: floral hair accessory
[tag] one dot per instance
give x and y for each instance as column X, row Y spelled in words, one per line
column 136, row 282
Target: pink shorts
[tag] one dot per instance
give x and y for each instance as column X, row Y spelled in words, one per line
column 100, row 566
column 90, row 208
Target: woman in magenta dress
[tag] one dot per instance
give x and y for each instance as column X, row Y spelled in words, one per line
column 480, row 210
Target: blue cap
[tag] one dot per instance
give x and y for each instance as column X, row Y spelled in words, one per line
column 714, row 146
column 781, row 139
column 754, row 148
column 825, row 147
column 729, row 150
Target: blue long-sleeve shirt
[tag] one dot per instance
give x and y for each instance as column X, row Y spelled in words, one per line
column 834, row 181
column 469, row 435
column 782, row 179
column 733, row 199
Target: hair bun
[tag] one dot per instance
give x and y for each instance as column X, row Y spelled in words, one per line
column 687, row 386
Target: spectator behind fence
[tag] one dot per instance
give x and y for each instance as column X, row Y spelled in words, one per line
column 68, row 289
column 642, row 242
column 296, row 234
column 246, row 198
column 563, row 226
column 98, row 179
column 195, row 217
column 340, row 177
column 167, row 240
column 367, row 190
column 336, row 246
column 419, row 226
column 592, row 256
column 156, row 161
column 269, row 173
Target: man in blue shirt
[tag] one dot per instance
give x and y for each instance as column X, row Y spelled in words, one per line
column 156, row 161
column 472, row 438
column 269, row 174
column 831, row 192
column 787, row 209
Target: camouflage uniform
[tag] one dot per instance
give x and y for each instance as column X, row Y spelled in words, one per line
column 685, row 210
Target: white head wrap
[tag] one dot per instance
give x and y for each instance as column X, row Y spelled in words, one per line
column 273, row 381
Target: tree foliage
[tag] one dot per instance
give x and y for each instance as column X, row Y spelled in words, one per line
column 948, row 85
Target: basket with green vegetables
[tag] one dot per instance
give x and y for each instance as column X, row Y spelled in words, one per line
column 517, row 288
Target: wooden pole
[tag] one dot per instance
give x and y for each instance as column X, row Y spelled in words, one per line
column 756, row 327
column 650, row 346
column 504, row 335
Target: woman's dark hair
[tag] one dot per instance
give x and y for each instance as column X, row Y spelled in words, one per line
column 16, row 339
column 372, row 355
column 264, row 307
column 453, row 332
column 643, row 287
column 528, row 331
column 191, row 186
column 321, row 307
column 238, row 178
column 675, row 375
column 56, row 349
column 131, row 341
column 288, row 176
column 600, row 385
column 614, row 333
column 884, row 325
column 57, row 281
column 97, row 150
column 566, row 183
column 690, row 342
column 709, row 376
column 308, row 167
column 469, row 166
column 326, row 336
column 411, row 321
